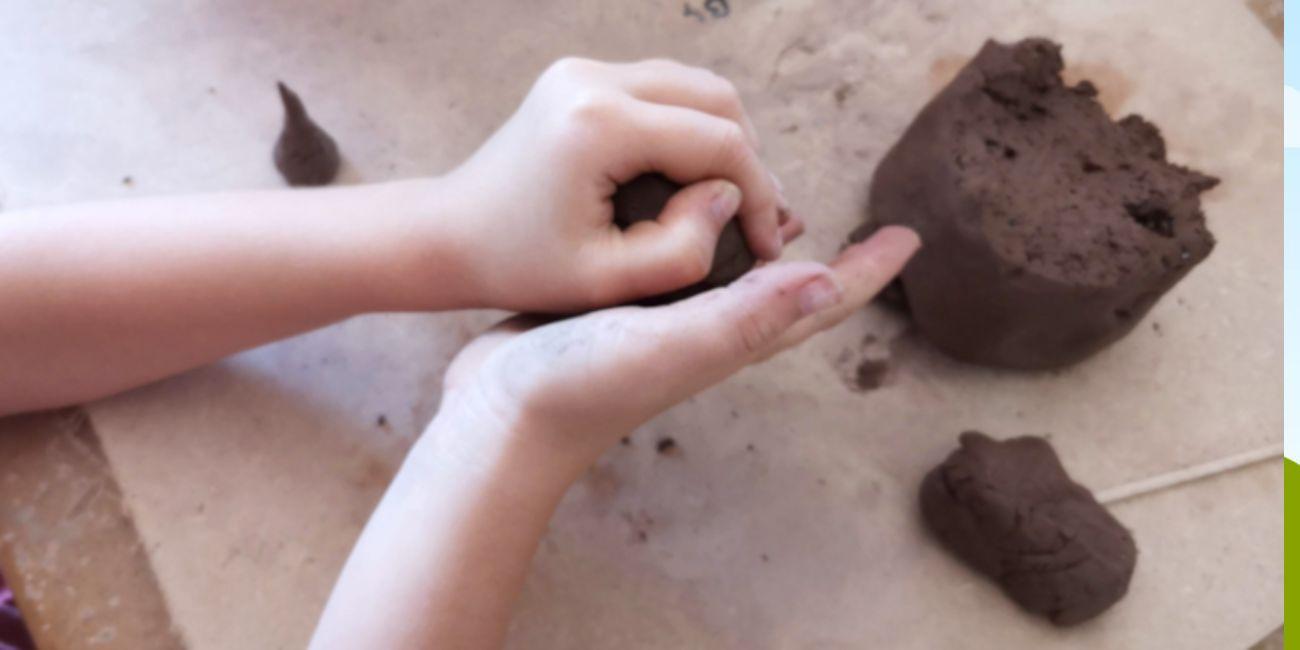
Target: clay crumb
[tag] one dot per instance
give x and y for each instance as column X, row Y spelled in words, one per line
column 381, row 421
column 750, row 447
column 625, row 441
column 668, row 447
column 128, row 181
column 871, row 374
column 763, row 557
column 842, row 93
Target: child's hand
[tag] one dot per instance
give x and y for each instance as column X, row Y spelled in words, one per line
column 560, row 393
column 535, row 203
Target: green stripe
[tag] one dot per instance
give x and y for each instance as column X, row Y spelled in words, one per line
column 1291, row 606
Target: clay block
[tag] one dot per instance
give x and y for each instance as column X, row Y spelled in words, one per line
column 1008, row 509
column 1049, row 230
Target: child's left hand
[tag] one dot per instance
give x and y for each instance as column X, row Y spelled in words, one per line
column 566, row 390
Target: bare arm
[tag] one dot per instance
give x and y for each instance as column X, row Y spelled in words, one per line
column 448, row 548
column 525, row 412
column 96, row 298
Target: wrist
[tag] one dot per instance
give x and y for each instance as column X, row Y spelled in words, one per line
column 503, row 457
column 427, row 263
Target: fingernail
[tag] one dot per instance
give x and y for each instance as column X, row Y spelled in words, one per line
column 819, row 294
column 778, row 243
column 726, row 201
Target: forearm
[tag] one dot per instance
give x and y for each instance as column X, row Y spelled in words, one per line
column 446, row 552
column 97, row 298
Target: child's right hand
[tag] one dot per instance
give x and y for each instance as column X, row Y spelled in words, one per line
column 532, row 206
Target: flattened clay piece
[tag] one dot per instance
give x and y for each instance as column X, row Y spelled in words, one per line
column 644, row 197
column 1049, row 229
column 304, row 153
column 1008, row 509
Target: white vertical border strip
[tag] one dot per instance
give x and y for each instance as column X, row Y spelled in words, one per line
column 1291, row 236
column 1291, row 243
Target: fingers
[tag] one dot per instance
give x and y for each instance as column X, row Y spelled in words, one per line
column 690, row 124
column 863, row 270
column 688, row 145
column 660, row 255
column 697, row 342
column 663, row 81
column 792, row 227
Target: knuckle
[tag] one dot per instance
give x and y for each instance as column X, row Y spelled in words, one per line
column 731, row 144
column 691, row 263
column 726, row 89
column 753, row 333
column 663, row 62
column 593, row 108
column 666, row 66
column 569, row 66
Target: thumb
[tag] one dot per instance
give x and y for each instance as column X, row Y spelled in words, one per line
column 675, row 250
column 706, row 338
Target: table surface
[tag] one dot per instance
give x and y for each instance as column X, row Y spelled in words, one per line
column 214, row 510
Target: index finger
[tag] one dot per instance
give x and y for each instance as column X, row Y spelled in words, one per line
column 863, row 270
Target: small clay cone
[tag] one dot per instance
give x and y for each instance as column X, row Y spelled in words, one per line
column 304, row 153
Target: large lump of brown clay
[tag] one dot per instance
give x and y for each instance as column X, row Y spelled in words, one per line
column 1008, row 509
column 1049, row 229
column 644, row 197
column 304, row 153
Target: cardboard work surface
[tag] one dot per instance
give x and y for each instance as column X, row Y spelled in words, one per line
column 789, row 518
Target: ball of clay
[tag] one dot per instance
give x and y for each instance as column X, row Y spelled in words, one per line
column 644, row 197
column 1049, row 229
column 1008, row 509
column 304, row 153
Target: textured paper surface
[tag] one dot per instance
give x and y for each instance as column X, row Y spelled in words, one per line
column 249, row 480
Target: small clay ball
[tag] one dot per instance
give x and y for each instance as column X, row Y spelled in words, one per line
column 1008, row 509
column 644, row 198
column 1049, row 229
column 304, row 153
